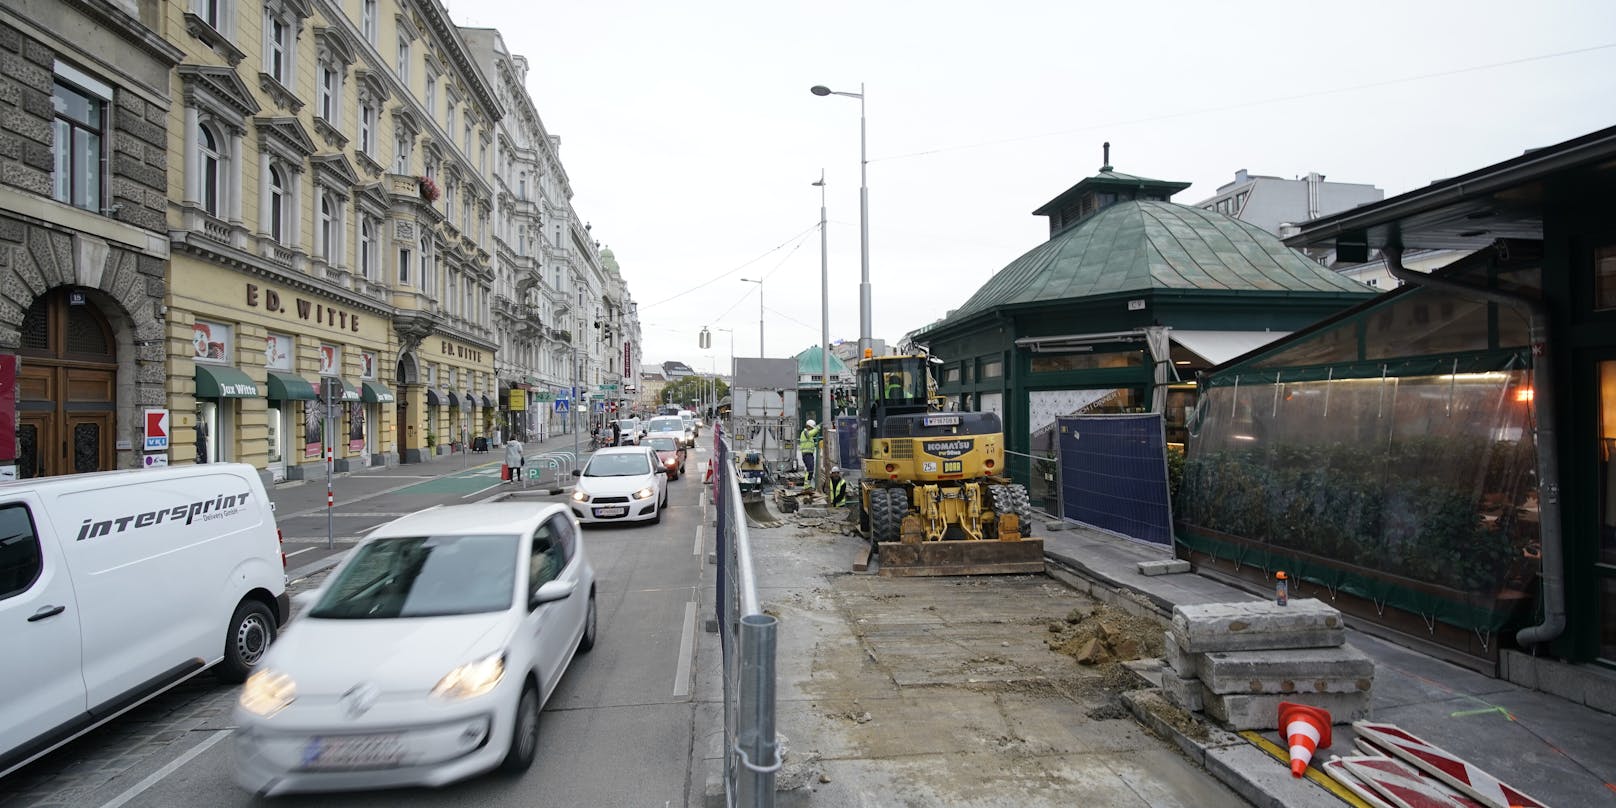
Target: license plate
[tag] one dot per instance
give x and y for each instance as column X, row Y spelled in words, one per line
column 354, row 751
column 604, row 512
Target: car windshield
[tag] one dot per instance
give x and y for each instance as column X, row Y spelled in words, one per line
column 688, row 420
column 662, row 444
column 423, row 576
column 629, row 426
column 666, row 425
column 617, row 465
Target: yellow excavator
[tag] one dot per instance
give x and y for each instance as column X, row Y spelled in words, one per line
column 933, row 499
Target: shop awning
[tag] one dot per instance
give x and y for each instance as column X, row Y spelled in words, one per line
column 340, row 389
column 454, row 400
column 470, row 400
column 433, row 399
column 219, row 381
column 374, row 393
column 488, row 402
column 285, row 386
column 1217, row 347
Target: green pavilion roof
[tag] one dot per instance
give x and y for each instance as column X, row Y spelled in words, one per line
column 1149, row 245
column 808, row 363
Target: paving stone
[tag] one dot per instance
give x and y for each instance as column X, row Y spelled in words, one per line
column 1170, row 567
column 1182, row 664
column 1186, row 693
column 1261, row 711
column 1342, row 669
column 1257, row 625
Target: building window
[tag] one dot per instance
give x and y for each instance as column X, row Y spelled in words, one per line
column 367, row 249
column 329, row 85
column 277, row 204
column 367, row 128
column 404, row 267
column 467, row 150
column 451, row 305
column 402, row 152
column 429, row 279
column 431, row 91
column 404, row 60
column 367, row 20
column 448, row 201
column 216, row 13
column 449, row 113
column 213, row 170
column 80, row 126
column 323, row 231
column 277, row 48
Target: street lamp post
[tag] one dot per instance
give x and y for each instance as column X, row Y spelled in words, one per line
column 824, row 318
column 864, row 218
column 761, row 354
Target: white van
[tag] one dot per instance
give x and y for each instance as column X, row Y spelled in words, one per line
column 117, row 585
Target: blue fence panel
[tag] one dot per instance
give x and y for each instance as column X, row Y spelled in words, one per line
column 847, row 441
column 1113, row 471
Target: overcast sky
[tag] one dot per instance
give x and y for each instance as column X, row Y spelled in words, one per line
column 691, row 139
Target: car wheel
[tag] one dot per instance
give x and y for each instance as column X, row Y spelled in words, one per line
column 588, row 640
column 251, row 630
column 525, row 733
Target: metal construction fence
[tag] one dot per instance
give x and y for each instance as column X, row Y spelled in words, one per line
column 1113, row 474
column 751, row 750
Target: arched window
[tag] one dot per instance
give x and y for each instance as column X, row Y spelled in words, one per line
column 212, row 171
column 323, row 231
column 277, row 204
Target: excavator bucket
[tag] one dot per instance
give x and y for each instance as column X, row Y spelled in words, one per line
column 904, row 559
column 757, row 511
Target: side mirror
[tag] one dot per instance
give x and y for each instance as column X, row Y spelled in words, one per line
column 577, row 472
column 662, row 471
column 552, row 591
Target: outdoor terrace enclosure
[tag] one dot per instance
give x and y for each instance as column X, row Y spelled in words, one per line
column 1385, row 454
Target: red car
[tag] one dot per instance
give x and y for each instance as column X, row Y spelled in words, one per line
column 670, row 454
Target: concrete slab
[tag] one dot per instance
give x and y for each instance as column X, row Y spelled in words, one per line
column 1259, row 625
column 1261, row 711
column 1342, row 669
column 1183, row 665
column 1263, row 781
column 1174, row 567
column 1185, row 694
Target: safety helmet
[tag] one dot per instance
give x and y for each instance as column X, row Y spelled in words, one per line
column 811, row 422
column 835, row 470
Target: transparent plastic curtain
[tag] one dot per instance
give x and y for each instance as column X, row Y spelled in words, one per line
column 1421, row 487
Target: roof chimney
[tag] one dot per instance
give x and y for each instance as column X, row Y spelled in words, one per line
column 1107, row 164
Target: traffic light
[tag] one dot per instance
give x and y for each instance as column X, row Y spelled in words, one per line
column 705, row 339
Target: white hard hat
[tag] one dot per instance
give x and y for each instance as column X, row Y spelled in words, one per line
column 835, row 470
column 811, row 422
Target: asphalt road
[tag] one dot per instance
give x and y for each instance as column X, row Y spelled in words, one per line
column 619, row 729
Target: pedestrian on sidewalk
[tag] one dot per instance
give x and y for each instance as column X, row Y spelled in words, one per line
column 513, row 458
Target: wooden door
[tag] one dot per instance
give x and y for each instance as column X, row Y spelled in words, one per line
column 66, row 388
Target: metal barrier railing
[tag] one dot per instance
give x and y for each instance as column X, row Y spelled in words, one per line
column 1040, row 472
column 751, row 751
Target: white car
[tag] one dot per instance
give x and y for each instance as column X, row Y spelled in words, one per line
column 670, row 426
column 621, row 484
column 425, row 657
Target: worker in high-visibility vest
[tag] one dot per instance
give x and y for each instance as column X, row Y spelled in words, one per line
column 807, row 444
column 838, row 488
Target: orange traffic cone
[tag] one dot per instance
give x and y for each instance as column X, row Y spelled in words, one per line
column 708, row 477
column 1305, row 729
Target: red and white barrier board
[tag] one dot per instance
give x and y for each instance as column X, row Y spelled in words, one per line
column 1400, row 784
column 1485, row 788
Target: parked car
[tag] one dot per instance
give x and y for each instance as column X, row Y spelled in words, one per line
column 426, row 656
column 670, row 426
column 631, row 431
column 669, row 453
column 115, row 586
column 621, row 484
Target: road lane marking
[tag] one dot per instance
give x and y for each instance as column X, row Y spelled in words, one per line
column 295, row 552
column 687, row 642
column 698, row 540
column 485, row 490
column 157, row 776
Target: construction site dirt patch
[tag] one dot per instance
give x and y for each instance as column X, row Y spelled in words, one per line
column 1102, row 634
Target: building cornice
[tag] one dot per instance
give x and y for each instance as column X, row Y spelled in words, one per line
column 187, row 242
column 436, row 17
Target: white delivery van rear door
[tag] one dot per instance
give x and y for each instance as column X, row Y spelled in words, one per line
column 39, row 629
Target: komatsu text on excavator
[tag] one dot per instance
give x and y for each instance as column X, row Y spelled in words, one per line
column 933, row 499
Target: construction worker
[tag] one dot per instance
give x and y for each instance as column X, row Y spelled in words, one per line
column 894, row 389
column 838, row 488
column 807, row 444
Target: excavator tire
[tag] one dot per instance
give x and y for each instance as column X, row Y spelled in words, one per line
column 888, row 506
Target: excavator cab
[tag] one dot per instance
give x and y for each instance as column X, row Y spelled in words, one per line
column 933, row 499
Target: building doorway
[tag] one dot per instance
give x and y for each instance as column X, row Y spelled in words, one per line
column 67, row 386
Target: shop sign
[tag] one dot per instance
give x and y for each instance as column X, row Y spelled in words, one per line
column 367, row 365
column 278, row 351
column 518, row 400
column 461, row 352
column 210, row 342
column 330, row 359
column 156, row 430
column 304, row 309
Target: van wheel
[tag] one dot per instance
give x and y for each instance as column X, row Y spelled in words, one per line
column 525, row 733
column 252, row 629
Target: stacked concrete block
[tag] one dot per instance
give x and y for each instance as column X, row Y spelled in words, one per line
column 1237, row 661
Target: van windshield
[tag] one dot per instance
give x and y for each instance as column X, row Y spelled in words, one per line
column 423, row 576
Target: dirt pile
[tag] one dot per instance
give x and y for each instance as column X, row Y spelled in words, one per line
column 1102, row 634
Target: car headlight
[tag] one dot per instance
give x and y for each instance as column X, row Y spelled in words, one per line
column 267, row 692
column 645, row 493
column 579, row 496
column 472, row 679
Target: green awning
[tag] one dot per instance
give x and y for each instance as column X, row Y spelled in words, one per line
column 374, row 393
column 219, row 381
column 285, row 386
column 340, row 389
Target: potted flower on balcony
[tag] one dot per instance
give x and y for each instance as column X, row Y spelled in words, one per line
column 429, row 189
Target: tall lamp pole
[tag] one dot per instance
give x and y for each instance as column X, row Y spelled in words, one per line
column 864, row 218
column 761, row 353
column 824, row 319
